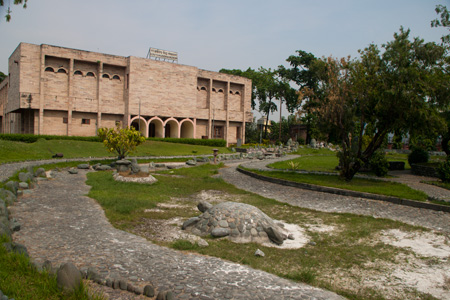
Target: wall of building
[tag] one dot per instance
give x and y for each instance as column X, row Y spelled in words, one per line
column 59, row 87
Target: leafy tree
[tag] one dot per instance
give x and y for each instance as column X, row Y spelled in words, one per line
column 444, row 21
column 286, row 124
column 2, row 76
column 122, row 141
column 306, row 72
column 16, row 2
column 402, row 89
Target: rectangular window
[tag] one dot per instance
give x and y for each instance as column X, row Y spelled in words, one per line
column 86, row 121
column 65, row 120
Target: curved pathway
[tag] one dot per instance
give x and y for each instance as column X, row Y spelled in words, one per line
column 335, row 203
column 61, row 224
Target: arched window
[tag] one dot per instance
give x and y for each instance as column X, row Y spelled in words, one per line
column 213, row 89
column 77, row 72
column 237, row 93
column 220, row 91
column 231, row 92
column 90, row 74
column 105, row 76
column 203, row 88
column 62, row 71
column 117, row 77
column 49, row 69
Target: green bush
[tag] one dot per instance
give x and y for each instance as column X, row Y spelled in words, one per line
column 444, row 171
column 378, row 163
column 32, row 138
column 201, row 142
column 417, row 156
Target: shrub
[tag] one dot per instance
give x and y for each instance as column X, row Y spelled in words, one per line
column 32, row 138
column 122, row 141
column 417, row 156
column 301, row 141
column 378, row 163
column 444, row 171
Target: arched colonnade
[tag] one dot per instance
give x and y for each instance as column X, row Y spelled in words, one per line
column 161, row 128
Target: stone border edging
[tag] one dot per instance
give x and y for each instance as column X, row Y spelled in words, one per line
column 343, row 192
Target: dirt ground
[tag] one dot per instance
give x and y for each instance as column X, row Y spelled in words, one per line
column 425, row 267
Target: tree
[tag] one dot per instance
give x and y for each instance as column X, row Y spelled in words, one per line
column 122, row 141
column 306, row 72
column 16, row 2
column 401, row 90
column 2, row 76
column 444, row 21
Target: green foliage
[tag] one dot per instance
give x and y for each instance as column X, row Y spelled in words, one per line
column 2, row 76
column 121, row 141
column 378, row 163
column 16, row 2
column 201, row 142
column 184, row 245
column 32, row 138
column 417, row 156
column 444, row 171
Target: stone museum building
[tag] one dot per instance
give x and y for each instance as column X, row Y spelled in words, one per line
column 60, row 91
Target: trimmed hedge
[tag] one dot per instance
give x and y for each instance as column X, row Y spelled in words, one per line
column 31, row 138
column 201, row 142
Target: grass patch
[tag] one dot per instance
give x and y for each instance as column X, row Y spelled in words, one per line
column 379, row 187
column 350, row 248
column 323, row 163
column 44, row 149
column 20, row 280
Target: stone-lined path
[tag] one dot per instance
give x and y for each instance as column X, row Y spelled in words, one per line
column 61, row 224
column 343, row 204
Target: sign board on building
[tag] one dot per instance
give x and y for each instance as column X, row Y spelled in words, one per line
column 162, row 54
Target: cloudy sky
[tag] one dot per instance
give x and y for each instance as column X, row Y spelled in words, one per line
column 212, row 34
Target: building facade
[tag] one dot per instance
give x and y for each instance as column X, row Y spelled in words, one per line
column 61, row 91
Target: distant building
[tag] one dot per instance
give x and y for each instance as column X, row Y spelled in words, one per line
column 61, row 91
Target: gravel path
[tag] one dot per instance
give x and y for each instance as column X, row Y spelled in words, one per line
column 335, row 203
column 61, row 224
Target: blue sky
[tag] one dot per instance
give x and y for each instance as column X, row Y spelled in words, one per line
column 212, row 34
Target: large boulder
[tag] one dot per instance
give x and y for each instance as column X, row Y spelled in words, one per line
column 7, row 196
column 40, row 172
column 12, row 186
column 68, row 277
column 123, row 165
column 26, row 177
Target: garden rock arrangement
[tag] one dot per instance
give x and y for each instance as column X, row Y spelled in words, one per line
column 240, row 222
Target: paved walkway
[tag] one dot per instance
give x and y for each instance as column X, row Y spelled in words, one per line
column 60, row 224
column 335, row 203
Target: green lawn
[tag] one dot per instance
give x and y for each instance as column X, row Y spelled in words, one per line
column 323, row 163
column 357, row 184
column 44, row 149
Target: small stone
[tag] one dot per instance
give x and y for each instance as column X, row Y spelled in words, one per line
column 149, row 291
column 130, row 288
column 191, row 162
column 73, row 171
column 259, row 253
column 19, row 248
column 138, row 290
column 123, row 285
column 220, row 232
column 14, row 225
column 161, row 295
column 223, row 223
column 204, row 206
column 190, row 222
column 23, row 185
column 202, row 243
column 169, row 295
column 109, row 283
column 291, row 236
column 83, row 166
column 312, row 243
column 40, row 172
column 116, row 284
column 47, row 265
